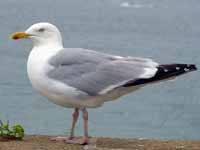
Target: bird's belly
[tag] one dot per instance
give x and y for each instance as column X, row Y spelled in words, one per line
column 56, row 92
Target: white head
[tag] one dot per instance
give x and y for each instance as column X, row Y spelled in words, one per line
column 42, row 34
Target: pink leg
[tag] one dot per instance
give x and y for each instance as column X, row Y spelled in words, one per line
column 75, row 118
column 85, row 138
column 85, row 119
column 71, row 137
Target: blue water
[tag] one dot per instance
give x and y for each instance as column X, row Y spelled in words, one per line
column 168, row 31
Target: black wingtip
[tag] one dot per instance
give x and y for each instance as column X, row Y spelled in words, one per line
column 164, row 72
column 192, row 67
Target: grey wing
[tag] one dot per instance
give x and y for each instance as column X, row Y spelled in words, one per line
column 96, row 73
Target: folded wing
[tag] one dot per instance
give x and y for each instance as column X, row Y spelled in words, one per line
column 97, row 73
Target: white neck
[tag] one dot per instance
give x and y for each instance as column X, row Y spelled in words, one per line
column 48, row 47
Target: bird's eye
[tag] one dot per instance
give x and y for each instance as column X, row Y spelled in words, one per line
column 41, row 30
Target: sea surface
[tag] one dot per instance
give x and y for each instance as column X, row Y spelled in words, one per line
column 167, row 31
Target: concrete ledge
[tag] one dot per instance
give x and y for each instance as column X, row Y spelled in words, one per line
column 39, row 142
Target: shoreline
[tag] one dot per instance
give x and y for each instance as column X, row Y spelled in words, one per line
column 42, row 142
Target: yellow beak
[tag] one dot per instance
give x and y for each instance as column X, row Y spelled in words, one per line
column 19, row 35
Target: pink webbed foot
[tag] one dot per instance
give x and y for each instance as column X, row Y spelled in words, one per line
column 61, row 138
column 80, row 141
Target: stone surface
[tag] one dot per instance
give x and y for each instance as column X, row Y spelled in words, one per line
column 40, row 142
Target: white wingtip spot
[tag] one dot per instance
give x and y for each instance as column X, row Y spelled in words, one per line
column 186, row 69
column 177, row 68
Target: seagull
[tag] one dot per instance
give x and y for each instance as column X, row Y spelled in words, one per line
column 81, row 78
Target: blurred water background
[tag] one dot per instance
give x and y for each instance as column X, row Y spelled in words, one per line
column 164, row 30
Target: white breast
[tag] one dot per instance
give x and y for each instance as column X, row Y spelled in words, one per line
column 36, row 67
column 57, row 92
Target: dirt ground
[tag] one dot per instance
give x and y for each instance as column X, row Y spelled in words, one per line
column 35, row 142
